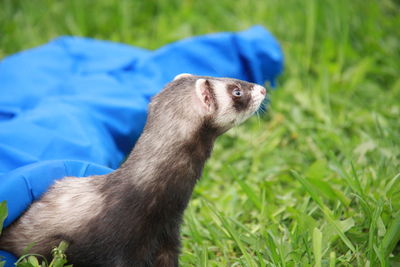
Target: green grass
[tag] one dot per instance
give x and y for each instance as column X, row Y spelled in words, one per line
column 316, row 180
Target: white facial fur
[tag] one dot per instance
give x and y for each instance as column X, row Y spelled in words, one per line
column 257, row 95
column 226, row 115
column 182, row 75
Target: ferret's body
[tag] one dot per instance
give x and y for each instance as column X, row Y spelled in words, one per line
column 132, row 216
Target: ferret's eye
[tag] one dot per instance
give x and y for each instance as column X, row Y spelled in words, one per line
column 237, row 92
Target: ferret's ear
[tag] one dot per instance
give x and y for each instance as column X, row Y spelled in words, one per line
column 204, row 94
column 182, row 75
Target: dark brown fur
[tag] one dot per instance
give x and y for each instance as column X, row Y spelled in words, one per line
column 240, row 103
column 145, row 198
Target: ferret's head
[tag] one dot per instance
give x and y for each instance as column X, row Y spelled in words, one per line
column 221, row 102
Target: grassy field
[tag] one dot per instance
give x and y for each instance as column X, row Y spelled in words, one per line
column 313, row 182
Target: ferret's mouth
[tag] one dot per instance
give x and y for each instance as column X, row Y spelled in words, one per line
column 258, row 99
column 254, row 106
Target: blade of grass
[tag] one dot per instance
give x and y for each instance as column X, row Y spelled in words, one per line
column 3, row 213
column 317, row 246
column 373, row 233
column 332, row 259
column 273, row 250
column 233, row 234
column 249, row 192
column 392, row 236
column 328, row 213
column 204, row 257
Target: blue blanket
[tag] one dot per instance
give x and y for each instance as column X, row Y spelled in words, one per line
column 75, row 106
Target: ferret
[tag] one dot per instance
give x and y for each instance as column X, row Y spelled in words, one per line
column 132, row 216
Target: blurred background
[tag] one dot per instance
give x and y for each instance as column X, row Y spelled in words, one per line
column 315, row 181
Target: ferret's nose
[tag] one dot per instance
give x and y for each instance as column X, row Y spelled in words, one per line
column 263, row 91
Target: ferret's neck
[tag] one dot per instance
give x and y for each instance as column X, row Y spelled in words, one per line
column 169, row 159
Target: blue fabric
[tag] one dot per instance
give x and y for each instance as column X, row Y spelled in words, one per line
column 75, row 106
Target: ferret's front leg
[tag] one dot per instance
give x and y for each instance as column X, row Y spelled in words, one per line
column 167, row 259
column 168, row 254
